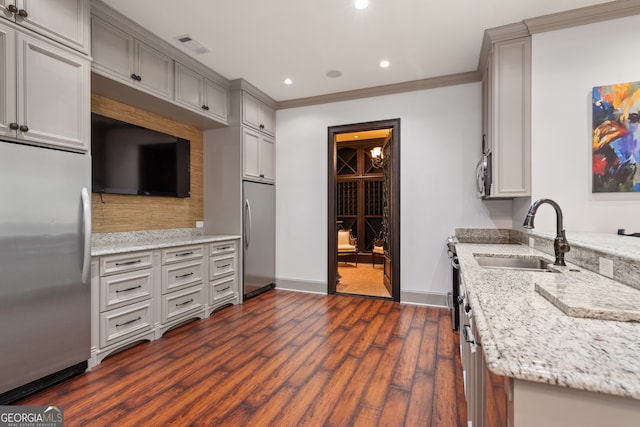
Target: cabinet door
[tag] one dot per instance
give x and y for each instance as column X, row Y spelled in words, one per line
column 53, row 94
column 268, row 159
column 511, row 118
column 112, row 50
column 216, row 99
column 189, row 88
column 250, row 110
column 155, row 70
column 251, row 154
column 65, row 21
column 7, row 80
column 268, row 119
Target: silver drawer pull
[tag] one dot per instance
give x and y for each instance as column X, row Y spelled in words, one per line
column 138, row 261
column 185, row 253
column 225, row 289
column 182, row 276
column 129, row 322
column 184, row 303
column 223, row 248
column 129, row 289
column 223, row 266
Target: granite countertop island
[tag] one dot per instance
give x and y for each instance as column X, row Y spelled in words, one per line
column 525, row 336
column 121, row 242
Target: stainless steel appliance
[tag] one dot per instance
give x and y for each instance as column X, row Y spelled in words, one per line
column 45, row 256
column 453, row 296
column 259, row 238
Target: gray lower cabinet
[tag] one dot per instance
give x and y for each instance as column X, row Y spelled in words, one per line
column 138, row 296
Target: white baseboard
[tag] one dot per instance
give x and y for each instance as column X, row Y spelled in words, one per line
column 406, row 297
column 301, row 285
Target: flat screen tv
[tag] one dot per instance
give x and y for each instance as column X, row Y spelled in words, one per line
column 129, row 159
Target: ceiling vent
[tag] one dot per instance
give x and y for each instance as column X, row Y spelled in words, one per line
column 192, row 44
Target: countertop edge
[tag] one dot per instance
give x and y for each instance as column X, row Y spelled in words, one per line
column 133, row 246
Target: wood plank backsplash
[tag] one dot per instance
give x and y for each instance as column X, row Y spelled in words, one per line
column 114, row 212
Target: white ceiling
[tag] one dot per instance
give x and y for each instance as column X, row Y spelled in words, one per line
column 266, row 41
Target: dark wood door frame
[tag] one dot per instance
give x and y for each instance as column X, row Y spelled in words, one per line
column 394, row 214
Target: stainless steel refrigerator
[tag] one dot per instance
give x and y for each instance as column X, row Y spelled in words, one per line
column 259, row 238
column 45, row 257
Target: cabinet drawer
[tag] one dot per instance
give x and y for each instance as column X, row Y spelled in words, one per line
column 180, row 303
column 124, row 262
column 125, row 288
column 222, row 288
column 182, row 275
column 122, row 323
column 182, row 253
column 220, row 248
column 221, row 266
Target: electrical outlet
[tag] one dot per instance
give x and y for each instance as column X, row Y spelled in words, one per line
column 606, row 267
column 199, row 224
column 532, row 242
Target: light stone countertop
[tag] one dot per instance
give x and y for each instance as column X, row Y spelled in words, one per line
column 115, row 243
column 611, row 243
column 526, row 337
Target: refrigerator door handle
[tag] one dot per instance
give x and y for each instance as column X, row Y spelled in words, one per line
column 86, row 228
column 247, row 217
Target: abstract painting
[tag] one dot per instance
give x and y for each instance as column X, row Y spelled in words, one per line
column 616, row 138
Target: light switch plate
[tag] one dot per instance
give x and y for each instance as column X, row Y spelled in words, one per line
column 606, row 267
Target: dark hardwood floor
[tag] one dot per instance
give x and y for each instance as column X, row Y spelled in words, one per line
column 281, row 359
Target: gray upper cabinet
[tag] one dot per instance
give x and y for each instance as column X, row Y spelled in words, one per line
column 172, row 83
column 46, row 101
column 121, row 57
column 257, row 114
column 196, row 92
column 507, row 110
column 64, row 21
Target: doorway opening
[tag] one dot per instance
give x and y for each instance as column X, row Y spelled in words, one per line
column 364, row 209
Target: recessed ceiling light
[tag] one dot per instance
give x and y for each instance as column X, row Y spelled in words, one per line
column 334, row 73
column 361, row 4
column 288, row 81
column 384, row 64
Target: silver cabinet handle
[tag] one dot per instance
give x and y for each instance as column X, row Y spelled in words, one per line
column 118, row 264
column 185, row 253
column 129, row 322
column 247, row 228
column 182, row 276
column 129, row 289
column 86, row 241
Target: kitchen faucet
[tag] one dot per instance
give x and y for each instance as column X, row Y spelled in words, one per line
column 560, row 244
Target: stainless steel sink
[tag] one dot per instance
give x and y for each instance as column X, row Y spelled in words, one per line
column 524, row 263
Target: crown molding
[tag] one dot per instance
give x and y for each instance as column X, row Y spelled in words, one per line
column 242, row 84
column 583, row 16
column 498, row 34
column 430, row 83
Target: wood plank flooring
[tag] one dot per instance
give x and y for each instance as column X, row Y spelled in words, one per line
column 281, row 359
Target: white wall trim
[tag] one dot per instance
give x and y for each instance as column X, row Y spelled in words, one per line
column 297, row 285
column 434, row 299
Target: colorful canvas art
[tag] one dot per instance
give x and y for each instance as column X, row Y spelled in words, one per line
column 616, row 138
